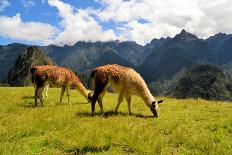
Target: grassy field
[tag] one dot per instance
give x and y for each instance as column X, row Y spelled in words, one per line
column 183, row 127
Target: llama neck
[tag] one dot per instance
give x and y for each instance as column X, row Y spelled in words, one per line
column 80, row 87
column 147, row 96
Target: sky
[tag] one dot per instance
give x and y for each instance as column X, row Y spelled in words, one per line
column 60, row 22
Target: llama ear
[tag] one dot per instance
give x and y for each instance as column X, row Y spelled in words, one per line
column 160, row 101
column 153, row 104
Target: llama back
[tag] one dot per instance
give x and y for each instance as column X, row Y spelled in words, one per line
column 114, row 71
column 56, row 75
column 120, row 76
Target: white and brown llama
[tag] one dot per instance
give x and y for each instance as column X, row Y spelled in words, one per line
column 124, row 80
column 57, row 77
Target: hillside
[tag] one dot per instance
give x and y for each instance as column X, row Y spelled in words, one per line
column 161, row 62
column 221, row 46
column 84, row 54
column 19, row 74
column 183, row 51
column 8, row 55
column 110, row 57
column 204, row 81
column 183, row 126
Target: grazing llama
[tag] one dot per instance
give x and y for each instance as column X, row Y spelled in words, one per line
column 57, row 77
column 124, row 80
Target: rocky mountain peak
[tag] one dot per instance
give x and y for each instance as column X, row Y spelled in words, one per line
column 185, row 36
column 19, row 74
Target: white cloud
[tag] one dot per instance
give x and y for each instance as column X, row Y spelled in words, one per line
column 15, row 28
column 27, row 3
column 4, row 4
column 144, row 33
column 78, row 25
column 136, row 20
column 201, row 17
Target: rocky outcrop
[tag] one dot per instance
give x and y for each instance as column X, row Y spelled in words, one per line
column 19, row 74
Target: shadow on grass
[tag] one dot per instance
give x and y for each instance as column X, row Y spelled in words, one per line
column 110, row 114
column 87, row 149
column 98, row 149
column 31, row 104
column 27, row 97
column 81, row 103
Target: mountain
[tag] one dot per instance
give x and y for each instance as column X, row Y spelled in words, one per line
column 129, row 50
column 19, row 74
column 8, row 55
column 162, row 62
column 221, row 46
column 84, row 54
column 110, row 57
column 183, row 51
column 204, row 81
column 154, row 44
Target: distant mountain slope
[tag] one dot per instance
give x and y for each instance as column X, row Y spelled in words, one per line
column 204, row 81
column 83, row 54
column 221, row 45
column 19, row 74
column 8, row 55
column 110, row 57
column 129, row 50
column 154, row 45
column 162, row 62
column 183, row 51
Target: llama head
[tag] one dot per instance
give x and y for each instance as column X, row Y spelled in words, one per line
column 90, row 94
column 154, row 107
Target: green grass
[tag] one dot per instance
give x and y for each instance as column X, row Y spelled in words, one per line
column 183, row 126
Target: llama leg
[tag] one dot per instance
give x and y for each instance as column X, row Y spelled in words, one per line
column 100, row 85
column 62, row 93
column 41, row 94
column 67, row 91
column 128, row 99
column 36, row 95
column 97, row 91
column 100, row 101
column 120, row 99
column 46, row 90
column 39, row 85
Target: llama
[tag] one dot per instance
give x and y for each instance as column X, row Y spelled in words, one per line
column 124, row 80
column 32, row 71
column 57, row 77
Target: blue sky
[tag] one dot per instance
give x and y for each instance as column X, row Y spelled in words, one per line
column 62, row 22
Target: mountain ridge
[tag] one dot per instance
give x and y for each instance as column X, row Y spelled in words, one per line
column 161, row 61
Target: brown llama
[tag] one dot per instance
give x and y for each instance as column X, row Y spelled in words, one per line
column 124, row 80
column 57, row 77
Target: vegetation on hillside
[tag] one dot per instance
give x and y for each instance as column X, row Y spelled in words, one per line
column 19, row 74
column 183, row 126
column 204, row 81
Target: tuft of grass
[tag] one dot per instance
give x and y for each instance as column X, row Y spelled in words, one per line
column 183, row 127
